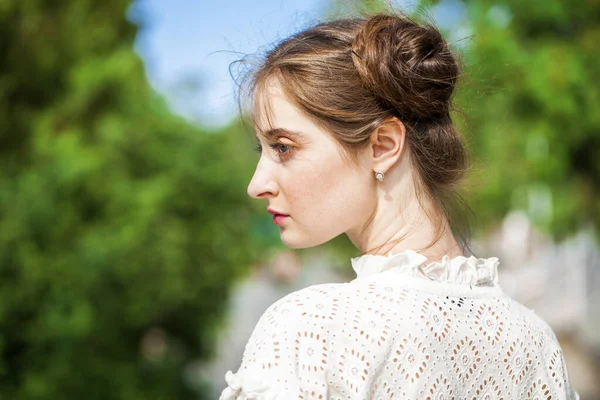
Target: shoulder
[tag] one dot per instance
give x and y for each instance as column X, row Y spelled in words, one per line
column 328, row 304
column 531, row 323
column 289, row 347
column 312, row 308
column 306, row 306
column 536, row 336
column 324, row 316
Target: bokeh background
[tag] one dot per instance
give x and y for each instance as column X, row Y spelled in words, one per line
column 132, row 263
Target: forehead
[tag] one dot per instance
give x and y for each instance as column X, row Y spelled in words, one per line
column 274, row 111
column 275, row 114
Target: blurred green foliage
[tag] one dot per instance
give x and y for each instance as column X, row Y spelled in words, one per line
column 532, row 95
column 122, row 227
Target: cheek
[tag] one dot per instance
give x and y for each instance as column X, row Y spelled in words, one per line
column 304, row 190
column 329, row 196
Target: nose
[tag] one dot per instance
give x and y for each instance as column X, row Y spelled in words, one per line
column 262, row 184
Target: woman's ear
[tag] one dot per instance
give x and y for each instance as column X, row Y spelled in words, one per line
column 387, row 143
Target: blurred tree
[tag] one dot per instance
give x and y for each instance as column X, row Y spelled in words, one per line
column 121, row 226
column 531, row 94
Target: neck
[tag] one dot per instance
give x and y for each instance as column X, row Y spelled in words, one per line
column 400, row 222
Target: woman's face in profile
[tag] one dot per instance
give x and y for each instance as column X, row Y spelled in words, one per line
column 301, row 173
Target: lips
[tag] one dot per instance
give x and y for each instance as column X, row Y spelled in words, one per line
column 275, row 212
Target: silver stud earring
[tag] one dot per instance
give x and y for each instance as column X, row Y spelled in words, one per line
column 379, row 176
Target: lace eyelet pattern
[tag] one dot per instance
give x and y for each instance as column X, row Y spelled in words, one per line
column 403, row 329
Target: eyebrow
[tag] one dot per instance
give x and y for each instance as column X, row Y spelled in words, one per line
column 279, row 131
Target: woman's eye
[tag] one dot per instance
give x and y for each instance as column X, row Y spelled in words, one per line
column 283, row 151
column 281, row 148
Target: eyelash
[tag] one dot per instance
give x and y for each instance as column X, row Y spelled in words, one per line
column 277, row 146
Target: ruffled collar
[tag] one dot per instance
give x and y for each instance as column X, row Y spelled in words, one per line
column 458, row 270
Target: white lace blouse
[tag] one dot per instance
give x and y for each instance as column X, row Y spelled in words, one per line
column 403, row 329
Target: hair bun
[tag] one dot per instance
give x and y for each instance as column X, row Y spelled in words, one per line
column 408, row 66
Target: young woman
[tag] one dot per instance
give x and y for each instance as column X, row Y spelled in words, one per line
column 355, row 137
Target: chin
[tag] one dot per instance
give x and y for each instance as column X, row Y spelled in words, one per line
column 300, row 241
column 295, row 244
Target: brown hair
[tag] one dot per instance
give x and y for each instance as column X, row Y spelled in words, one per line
column 351, row 75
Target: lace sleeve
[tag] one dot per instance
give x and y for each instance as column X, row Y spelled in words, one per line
column 287, row 353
